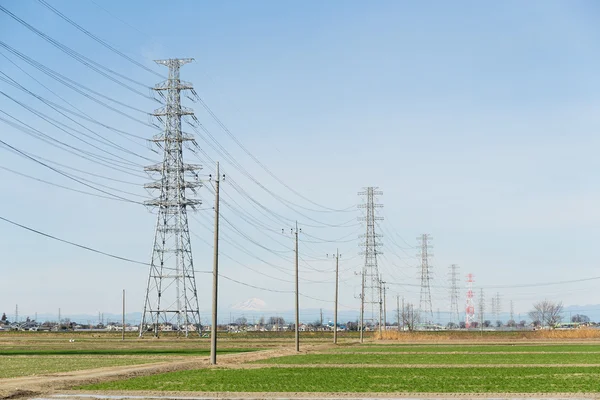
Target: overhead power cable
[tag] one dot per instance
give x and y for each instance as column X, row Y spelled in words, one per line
column 97, row 39
column 67, row 175
column 72, row 243
column 37, row 134
column 99, row 68
column 267, row 170
column 62, row 186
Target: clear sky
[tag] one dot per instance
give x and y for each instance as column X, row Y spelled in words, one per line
column 478, row 120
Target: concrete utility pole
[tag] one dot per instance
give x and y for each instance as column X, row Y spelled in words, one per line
column 398, row 310
column 384, row 305
column 481, row 309
column 335, row 307
column 123, row 318
column 321, row 318
column 297, row 330
column 213, row 330
column 362, row 306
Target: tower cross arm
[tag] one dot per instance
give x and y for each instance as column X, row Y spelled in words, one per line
column 168, row 84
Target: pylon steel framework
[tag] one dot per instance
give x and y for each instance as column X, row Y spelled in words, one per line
column 497, row 307
column 371, row 298
column 453, row 275
column 470, row 306
column 171, row 295
column 425, row 306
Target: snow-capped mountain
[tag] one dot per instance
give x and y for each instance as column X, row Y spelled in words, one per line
column 252, row 304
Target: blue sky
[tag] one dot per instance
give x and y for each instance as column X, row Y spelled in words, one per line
column 477, row 120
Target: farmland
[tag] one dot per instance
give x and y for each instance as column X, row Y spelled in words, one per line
column 269, row 365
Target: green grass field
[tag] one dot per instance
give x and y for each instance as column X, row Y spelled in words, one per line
column 408, row 359
column 36, row 354
column 466, row 348
column 415, row 380
column 119, row 352
column 11, row 367
column 381, row 368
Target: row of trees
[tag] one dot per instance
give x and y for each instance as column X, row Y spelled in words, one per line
column 544, row 313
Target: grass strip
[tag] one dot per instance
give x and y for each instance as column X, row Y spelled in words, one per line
column 468, row 348
column 11, row 367
column 117, row 352
column 403, row 358
column 417, row 380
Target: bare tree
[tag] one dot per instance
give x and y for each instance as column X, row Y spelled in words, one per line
column 410, row 316
column 546, row 312
column 276, row 321
column 580, row 318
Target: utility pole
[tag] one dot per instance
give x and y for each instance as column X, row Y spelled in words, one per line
column 171, row 292
column 335, row 307
column 398, row 311
column 362, row 306
column 123, row 318
column 297, row 330
column 384, row 305
column 213, row 330
column 16, row 313
column 481, row 309
column 59, row 319
column 297, row 295
column 321, row 318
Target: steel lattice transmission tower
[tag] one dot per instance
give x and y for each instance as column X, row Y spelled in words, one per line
column 453, row 275
column 470, row 306
column 498, row 307
column 371, row 298
column 425, row 305
column 171, row 295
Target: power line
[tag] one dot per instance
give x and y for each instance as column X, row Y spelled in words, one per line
column 66, row 175
column 97, row 39
column 72, row 243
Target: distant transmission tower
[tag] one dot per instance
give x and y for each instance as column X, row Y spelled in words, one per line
column 371, row 298
column 512, row 311
column 470, row 306
column 481, row 308
column 425, row 305
column 498, row 307
column 171, row 296
column 454, row 293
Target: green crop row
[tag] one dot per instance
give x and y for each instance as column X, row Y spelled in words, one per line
column 408, row 358
column 390, row 380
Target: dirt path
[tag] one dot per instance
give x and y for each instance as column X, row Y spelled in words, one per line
column 30, row 386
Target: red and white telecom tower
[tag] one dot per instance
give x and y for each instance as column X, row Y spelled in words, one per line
column 470, row 307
